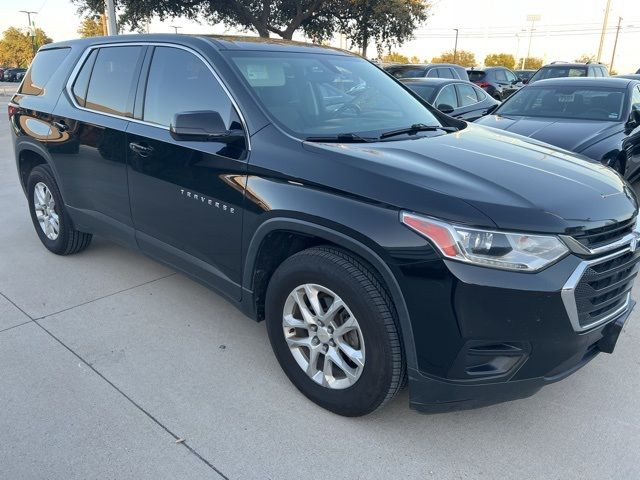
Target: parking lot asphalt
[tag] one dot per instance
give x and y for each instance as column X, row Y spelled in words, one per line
column 108, row 360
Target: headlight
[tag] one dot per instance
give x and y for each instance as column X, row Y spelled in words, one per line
column 506, row 250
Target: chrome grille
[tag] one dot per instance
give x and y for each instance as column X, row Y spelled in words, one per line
column 597, row 237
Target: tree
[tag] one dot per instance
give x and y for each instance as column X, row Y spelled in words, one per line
column 414, row 59
column 462, row 57
column 500, row 60
column 386, row 23
column 586, row 58
column 531, row 63
column 395, row 57
column 16, row 46
column 282, row 17
column 91, row 27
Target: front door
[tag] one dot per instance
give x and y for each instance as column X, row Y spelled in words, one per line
column 186, row 196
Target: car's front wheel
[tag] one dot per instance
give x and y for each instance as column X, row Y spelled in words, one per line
column 333, row 330
column 49, row 215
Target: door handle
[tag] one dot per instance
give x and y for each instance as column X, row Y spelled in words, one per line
column 141, row 149
column 61, row 126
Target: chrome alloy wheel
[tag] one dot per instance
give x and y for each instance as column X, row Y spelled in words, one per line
column 45, row 207
column 323, row 335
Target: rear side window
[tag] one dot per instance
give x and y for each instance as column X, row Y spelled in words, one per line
column 181, row 82
column 445, row 73
column 410, row 72
column 467, row 94
column 112, row 79
column 43, row 67
column 447, row 96
column 82, row 80
column 501, row 75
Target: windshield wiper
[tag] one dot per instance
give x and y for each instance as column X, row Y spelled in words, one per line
column 417, row 127
column 340, row 137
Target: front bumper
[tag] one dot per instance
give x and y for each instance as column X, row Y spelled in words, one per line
column 437, row 395
column 485, row 336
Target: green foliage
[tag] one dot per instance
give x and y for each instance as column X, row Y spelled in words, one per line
column 462, row 57
column 90, row 27
column 16, row 47
column 386, row 23
column 500, row 60
column 531, row 63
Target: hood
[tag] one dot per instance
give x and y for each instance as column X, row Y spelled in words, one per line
column 573, row 135
column 478, row 176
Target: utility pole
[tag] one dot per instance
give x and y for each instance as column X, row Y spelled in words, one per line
column 604, row 30
column 110, row 12
column 103, row 20
column 175, row 28
column 32, row 30
column 533, row 19
column 615, row 44
column 455, row 47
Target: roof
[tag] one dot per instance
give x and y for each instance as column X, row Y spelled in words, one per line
column 432, row 81
column 570, row 65
column 424, row 65
column 220, row 42
column 612, row 82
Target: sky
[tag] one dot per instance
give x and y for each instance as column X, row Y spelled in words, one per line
column 566, row 30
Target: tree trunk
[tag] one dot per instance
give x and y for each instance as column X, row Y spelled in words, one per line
column 365, row 44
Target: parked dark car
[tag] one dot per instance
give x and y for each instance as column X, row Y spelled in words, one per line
column 561, row 69
column 11, row 75
column 524, row 75
column 598, row 118
column 499, row 82
column 380, row 239
column 457, row 98
column 433, row 70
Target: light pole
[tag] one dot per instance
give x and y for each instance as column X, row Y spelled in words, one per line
column 533, row 19
column 32, row 30
column 175, row 28
column 615, row 44
column 455, row 47
column 604, row 30
column 112, row 27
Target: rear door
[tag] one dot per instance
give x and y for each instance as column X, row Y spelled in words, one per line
column 186, row 196
column 470, row 107
column 90, row 150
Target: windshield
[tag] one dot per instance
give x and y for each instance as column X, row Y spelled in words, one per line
column 587, row 103
column 321, row 95
column 559, row 72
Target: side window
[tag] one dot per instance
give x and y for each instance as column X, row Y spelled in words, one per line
column 112, row 78
column 43, row 67
column 433, row 73
column 481, row 94
column 82, row 80
column 466, row 94
column 447, row 96
column 179, row 82
column 596, row 72
column 501, row 76
column 635, row 98
column 510, row 77
column 604, row 71
column 445, row 73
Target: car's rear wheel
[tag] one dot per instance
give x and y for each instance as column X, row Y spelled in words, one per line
column 49, row 216
column 333, row 330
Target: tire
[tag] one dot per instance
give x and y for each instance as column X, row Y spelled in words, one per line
column 67, row 241
column 376, row 338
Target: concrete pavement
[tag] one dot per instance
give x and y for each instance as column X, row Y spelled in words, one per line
column 107, row 358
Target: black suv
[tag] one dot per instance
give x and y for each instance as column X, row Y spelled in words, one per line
column 381, row 240
column 562, row 69
column 499, row 82
column 432, row 70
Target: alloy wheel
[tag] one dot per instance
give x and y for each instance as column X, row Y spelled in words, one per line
column 45, row 208
column 323, row 336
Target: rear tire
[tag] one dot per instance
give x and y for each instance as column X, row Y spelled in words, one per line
column 370, row 367
column 49, row 215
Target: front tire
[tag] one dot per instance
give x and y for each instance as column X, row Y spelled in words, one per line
column 49, row 215
column 333, row 330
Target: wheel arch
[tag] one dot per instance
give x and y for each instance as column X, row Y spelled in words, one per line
column 28, row 156
column 319, row 234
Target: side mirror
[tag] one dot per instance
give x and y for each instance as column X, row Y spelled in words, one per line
column 444, row 108
column 525, row 81
column 634, row 118
column 200, row 125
